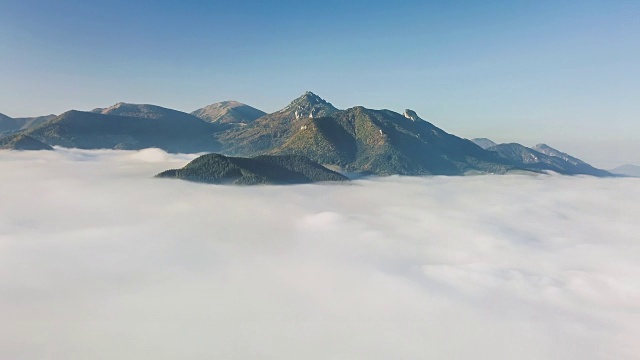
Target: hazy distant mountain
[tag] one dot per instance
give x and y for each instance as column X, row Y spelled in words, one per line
column 8, row 124
column 575, row 165
column 544, row 157
column 167, row 129
column 220, row 169
column 483, row 142
column 145, row 111
column 229, row 112
column 627, row 170
column 22, row 142
column 548, row 150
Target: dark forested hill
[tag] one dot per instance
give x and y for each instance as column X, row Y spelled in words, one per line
column 266, row 169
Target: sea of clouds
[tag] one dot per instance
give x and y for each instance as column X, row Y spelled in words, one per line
column 99, row 260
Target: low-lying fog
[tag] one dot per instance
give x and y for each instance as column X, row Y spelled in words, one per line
column 99, row 260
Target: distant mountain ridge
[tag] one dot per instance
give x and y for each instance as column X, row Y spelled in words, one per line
column 627, row 170
column 542, row 157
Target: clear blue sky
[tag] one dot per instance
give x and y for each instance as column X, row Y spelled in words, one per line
column 562, row 72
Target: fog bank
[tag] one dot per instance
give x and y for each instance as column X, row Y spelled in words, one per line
column 99, row 260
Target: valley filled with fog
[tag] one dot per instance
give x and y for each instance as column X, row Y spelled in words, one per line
column 99, row 260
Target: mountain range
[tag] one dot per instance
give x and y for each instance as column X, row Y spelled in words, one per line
column 357, row 139
column 541, row 157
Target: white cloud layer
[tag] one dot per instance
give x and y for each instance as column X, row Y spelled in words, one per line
column 98, row 260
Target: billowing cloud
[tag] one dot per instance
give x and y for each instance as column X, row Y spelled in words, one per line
column 99, row 260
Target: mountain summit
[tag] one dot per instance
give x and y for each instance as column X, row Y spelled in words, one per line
column 146, row 111
column 309, row 105
column 229, row 112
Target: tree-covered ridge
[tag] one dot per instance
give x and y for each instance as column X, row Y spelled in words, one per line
column 265, row 169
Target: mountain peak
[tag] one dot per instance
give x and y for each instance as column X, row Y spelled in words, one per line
column 309, row 97
column 310, row 105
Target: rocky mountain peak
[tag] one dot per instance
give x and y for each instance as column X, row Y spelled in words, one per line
column 410, row 114
column 310, row 105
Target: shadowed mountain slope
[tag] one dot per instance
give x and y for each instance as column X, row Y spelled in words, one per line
column 22, row 142
column 89, row 130
column 9, row 125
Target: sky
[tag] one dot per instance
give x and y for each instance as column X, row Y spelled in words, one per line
column 99, row 260
column 564, row 73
